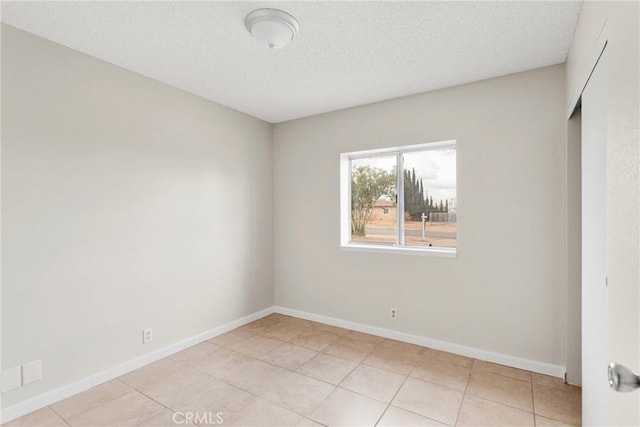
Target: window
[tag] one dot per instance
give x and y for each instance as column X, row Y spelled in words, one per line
column 400, row 199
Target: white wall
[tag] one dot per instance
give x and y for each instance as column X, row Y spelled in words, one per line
column 127, row 204
column 623, row 183
column 506, row 291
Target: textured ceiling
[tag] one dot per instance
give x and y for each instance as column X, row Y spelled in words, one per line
column 346, row 54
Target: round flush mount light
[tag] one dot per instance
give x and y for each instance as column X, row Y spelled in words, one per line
column 272, row 27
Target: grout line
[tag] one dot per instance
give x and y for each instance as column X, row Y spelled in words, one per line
column 376, row 346
column 418, row 379
column 530, row 381
column 148, row 397
column 486, row 399
column 464, row 393
column 326, row 382
column 382, row 415
column 500, row 403
column 91, row 408
column 60, row 416
column 393, row 398
column 504, row 404
column 400, row 388
column 533, row 403
column 274, row 365
column 359, row 363
column 437, row 384
column 418, row 414
column 269, row 363
column 345, row 377
column 503, row 376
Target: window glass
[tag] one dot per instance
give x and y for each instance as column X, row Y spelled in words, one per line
column 430, row 198
column 400, row 199
column 373, row 190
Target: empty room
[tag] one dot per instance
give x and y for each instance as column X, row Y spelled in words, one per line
column 320, row 213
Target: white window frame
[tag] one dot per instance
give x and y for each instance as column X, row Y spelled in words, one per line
column 385, row 211
column 345, row 202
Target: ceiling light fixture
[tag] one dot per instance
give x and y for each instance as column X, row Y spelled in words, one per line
column 272, row 27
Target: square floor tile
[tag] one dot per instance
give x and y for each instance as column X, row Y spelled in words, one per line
column 307, row 422
column 548, row 422
column 166, row 418
column 478, row 412
column 44, row 417
column 329, row 328
column 501, row 389
column 397, row 359
column 210, row 396
column 289, row 356
column 402, row 346
column 397, row 417
column 361, row 336
column 263, row 413
column 296, row 321
column 507, row 371
column 373, row 382
column 127, row 410
column 152, row 372
column 430, row 400
column 256, row 376
column 457, row 359
column 256, row 346
column 221, row 363
column 171, row 386
column 90, row 399
column 349, row 348
column 285, row 331
column 442, row 373
column 556, row 400
column 232, row 337
column 328, row 368
column 298, row 393
column 316, row 339
column 345, row 408
column 197, row 352
column 542, row 379
column 259, row 325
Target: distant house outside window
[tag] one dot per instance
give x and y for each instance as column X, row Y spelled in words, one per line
column 401, row 199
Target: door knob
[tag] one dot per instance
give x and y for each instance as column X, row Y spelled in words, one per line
column 622, row 378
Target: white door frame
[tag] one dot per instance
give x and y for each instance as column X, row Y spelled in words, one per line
column 598, row 48
column 590, row 391
column 595, row 321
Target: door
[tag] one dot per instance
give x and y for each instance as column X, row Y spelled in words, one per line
column 595, row 386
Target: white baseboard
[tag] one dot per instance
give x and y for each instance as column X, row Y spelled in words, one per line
column 476, row 353
column 68, row 390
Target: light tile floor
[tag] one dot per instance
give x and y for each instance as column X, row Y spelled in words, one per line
column 284, row 371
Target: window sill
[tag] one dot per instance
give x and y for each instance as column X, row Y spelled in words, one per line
column 401, row 250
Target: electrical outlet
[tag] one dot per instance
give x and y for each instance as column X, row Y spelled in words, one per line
column 394, row 314
column 147, row 335
column 31, row 372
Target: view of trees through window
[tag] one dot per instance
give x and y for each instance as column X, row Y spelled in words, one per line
column 373, row 188
column 429, row 211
